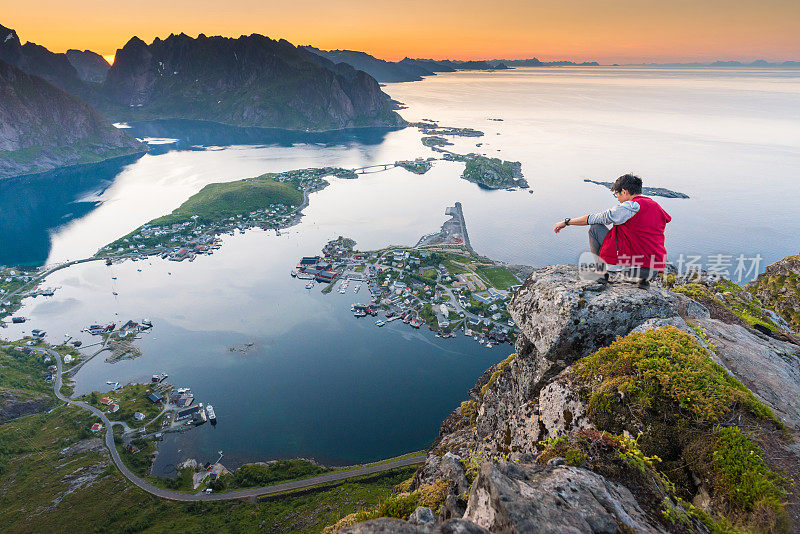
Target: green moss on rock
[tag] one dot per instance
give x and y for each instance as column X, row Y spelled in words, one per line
column 665, row 366
column 495, row 375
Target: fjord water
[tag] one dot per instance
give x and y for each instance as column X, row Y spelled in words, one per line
column 319, row 383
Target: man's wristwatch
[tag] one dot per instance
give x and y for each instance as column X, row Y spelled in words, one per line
column 566, row 221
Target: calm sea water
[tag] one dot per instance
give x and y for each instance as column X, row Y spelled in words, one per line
column 319, row 383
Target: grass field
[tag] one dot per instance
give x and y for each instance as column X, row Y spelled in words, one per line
column 498, row 277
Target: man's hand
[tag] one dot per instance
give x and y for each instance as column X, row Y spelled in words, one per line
column 560, row 225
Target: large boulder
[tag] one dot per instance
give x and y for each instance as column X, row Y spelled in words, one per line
column 563, row 318
column 508, row 497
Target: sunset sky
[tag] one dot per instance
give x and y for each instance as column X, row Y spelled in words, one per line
column 604, row 30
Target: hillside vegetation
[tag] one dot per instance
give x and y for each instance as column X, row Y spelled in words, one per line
column 219, row 201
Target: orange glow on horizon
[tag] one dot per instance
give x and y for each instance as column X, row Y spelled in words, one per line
column 618, row 31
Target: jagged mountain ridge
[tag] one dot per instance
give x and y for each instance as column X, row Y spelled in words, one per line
column 90, row 66
column 248, row 81
column 406, row 70
column 39, row 61
column 43, row 127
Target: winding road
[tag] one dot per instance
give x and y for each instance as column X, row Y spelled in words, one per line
column 238, row 494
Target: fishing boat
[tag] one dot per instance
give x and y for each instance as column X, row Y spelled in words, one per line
column 114, row 293
column 380, row 323
column 147, row 322
column 182, row 391
column 293, row 273
column 211, row 415
column 360, row 313
column 17, row 320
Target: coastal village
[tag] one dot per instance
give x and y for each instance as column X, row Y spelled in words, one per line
column 180, row 236
column 440, row 282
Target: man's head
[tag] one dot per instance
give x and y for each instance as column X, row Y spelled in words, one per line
column 626, row 187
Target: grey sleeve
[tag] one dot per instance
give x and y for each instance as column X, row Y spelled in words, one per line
column 619, row 214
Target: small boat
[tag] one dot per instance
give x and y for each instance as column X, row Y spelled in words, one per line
column 159, row 378
column 147, row 322
column 211, row 415
column 17, row 320
column 310, row 285
column 108, row 261
column 182, row 391
column 139, row 270
column 380, row 323
column 360, row 313
column 113, row 277
column 294, row 274
column 114, row 293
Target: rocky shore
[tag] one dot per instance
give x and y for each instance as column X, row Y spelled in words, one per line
column 622, row 410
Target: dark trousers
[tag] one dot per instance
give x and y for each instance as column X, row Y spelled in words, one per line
column 598, row 233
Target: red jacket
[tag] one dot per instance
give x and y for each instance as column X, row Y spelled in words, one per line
column 639, row 241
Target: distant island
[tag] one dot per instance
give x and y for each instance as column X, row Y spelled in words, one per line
column 491, row 173
column 412, row 70
column 759, row 63
column 649, row 191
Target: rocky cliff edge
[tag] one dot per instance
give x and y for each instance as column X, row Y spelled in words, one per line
column 622, row 410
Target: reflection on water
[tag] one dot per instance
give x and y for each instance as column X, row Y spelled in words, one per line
column 32, row 206
column 194, row 135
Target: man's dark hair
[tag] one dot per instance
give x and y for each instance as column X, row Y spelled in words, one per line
column 630, row 182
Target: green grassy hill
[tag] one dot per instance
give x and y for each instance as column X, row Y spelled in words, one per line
column 222, row 200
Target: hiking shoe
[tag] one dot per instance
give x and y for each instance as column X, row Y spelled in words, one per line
column 644, row 284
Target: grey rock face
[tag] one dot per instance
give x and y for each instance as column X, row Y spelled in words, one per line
column 513, row 498
column 421, row 516
column 43, row 127
column 13, row 406
column 768, row 367
column 90, row 65
column 447, row 467
column 452, row 508
column 563, row 318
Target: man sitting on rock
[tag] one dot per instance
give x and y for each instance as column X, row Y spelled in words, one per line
column 636, row 239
